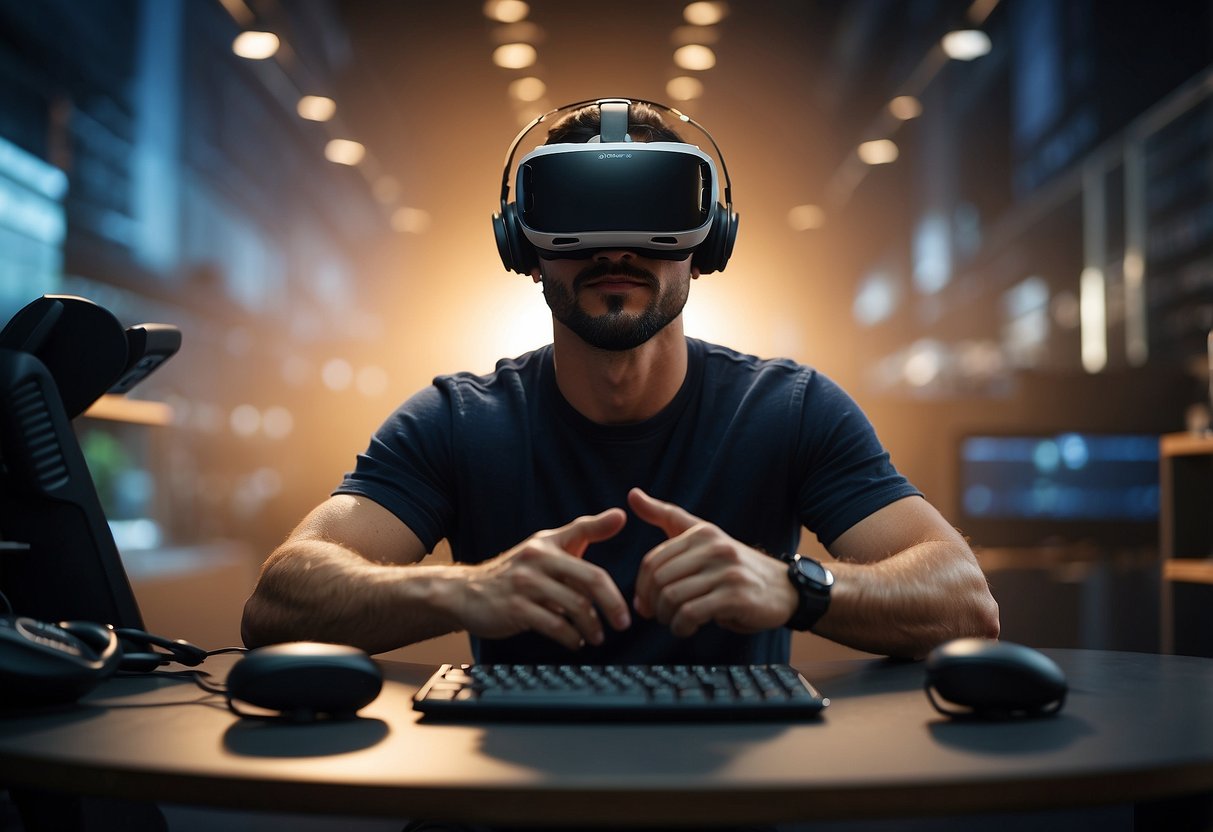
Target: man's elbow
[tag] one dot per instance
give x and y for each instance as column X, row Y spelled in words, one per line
column 990, row 626
column 251, row 631
column 985, row 614
column 263, row 623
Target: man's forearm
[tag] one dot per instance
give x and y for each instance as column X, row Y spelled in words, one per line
column 313, row 590
column 910, row 602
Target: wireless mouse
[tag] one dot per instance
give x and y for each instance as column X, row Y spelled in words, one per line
column 994, row 679
column 305, row 680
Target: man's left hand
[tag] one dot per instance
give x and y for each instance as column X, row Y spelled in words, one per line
column 701, row 574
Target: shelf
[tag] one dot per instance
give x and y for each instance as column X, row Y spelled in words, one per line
column 1189, row 570
column 1186, row 528
column 136, row 411
column 1187, row 444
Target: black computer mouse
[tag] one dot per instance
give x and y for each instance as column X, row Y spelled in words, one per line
column 305, row 680
column 994, row 679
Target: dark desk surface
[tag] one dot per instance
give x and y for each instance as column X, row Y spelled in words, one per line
column 1136, row 727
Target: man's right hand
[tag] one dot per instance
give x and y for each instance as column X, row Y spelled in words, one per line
column 543, row 585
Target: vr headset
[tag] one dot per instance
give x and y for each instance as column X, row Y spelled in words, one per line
column 659, row 199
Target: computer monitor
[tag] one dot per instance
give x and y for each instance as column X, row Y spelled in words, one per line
column 1033, row 488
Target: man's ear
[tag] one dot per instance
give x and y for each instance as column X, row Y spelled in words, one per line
column 536, row 275
column 695, row 273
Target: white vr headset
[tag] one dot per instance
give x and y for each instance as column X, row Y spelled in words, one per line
column 659, row 199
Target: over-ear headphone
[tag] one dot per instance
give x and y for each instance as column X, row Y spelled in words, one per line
column 520, row 255
column 517, row 253
column 52, row 664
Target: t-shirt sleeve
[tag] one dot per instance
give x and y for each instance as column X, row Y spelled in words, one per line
column 846, row 474
column 407, row 468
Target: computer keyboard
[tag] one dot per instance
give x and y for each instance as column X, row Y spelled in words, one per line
column 717, row 692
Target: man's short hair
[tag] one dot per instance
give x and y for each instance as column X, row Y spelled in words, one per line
column 579, row 126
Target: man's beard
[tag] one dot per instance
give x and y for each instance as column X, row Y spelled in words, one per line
column 615, row 329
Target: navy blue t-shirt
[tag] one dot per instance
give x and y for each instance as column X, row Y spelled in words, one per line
column 758, row 447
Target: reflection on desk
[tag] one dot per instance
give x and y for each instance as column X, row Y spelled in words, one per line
column 1136, row 727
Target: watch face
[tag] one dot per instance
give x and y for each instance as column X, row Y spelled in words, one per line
column 814, row 572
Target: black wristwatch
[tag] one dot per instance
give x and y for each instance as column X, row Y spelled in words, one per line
column 812, row 582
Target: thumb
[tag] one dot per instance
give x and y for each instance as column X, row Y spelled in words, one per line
column 574, row 537
column 670, row 518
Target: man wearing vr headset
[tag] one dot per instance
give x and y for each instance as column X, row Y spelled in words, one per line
column 627, row 493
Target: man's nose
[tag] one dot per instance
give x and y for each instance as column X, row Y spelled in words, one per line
column 614, row 254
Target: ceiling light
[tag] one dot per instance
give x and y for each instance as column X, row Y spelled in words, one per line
column 966, row 44
column 411, row 220
column 506, row 11
column 705, row 13
column 527, row 89
column 694, row 57
column 316, row 108
column 344, row 152
column 515, row 55
column 905, row 107
column 256, row 46
column 806, row 217
column 878, row 152
column 684, row 88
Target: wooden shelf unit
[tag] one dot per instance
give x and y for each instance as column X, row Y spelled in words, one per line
column 1186, row 542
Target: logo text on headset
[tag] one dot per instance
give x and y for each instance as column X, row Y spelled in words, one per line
column 614, row 155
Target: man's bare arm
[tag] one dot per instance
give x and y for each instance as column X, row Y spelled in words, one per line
column 350, row 574
column 906, row 581
column 340, row 577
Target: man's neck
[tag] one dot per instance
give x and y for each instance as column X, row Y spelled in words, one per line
column 615, row 388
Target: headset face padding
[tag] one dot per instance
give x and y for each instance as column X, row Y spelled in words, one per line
column 520, row 255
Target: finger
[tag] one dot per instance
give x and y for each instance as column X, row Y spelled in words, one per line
column 595, row 586
column 694, row 614
column 571, row 605
column 648, row 582
column 670, row 518
column 574, row 537
column 675, row 595
column 733, row 607
column 553, row 625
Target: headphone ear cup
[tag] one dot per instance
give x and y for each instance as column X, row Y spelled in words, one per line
column 40, row 667
column 103, row 641
column 501, row 235
column 517, row 253
column 712, row 255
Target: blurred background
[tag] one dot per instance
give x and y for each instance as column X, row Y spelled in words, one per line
column 992, row 222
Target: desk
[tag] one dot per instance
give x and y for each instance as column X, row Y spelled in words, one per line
column 1137, row 727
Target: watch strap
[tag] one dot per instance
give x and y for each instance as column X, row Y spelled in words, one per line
column 812, row 582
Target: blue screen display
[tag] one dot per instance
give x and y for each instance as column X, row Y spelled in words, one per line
column 1066, row 477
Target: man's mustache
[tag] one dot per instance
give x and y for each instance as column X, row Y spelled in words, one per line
column 602, row 268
